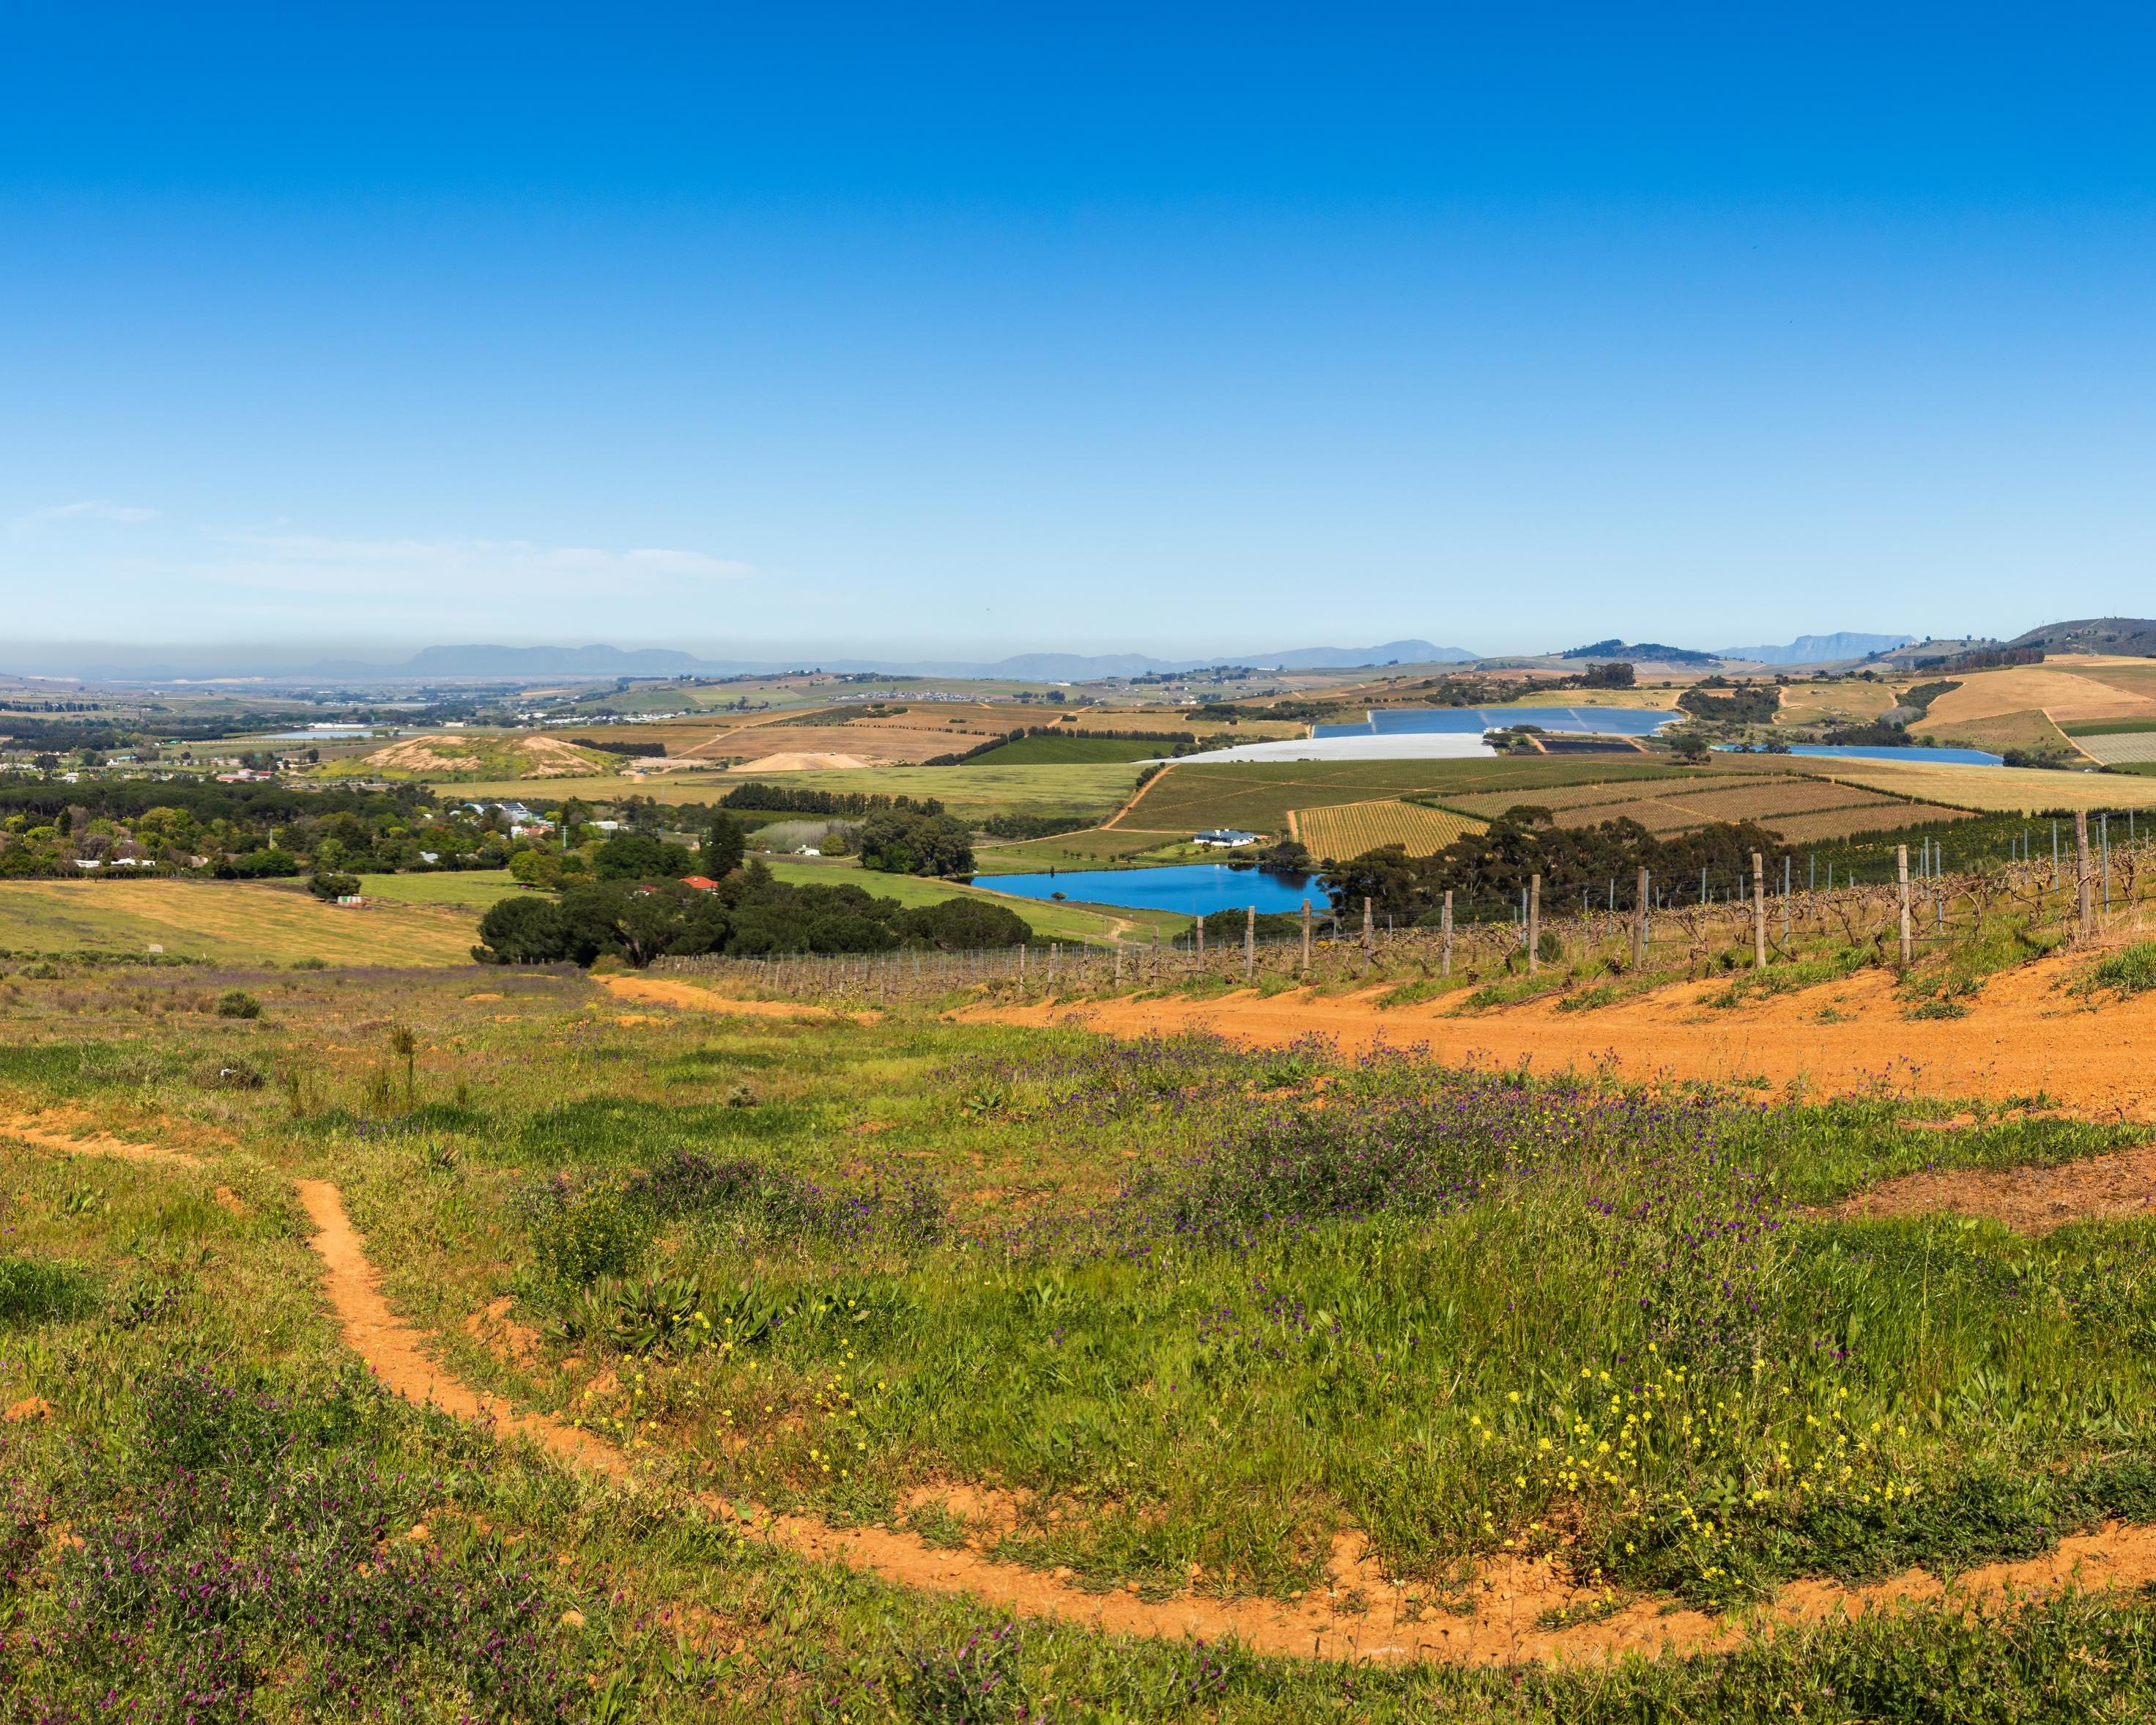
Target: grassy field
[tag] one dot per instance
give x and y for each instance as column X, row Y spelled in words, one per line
column 1167, row 1321
column 458, row 756
column 2065, row 693
column 1851, row 702
column 1095, row 847
column 473, row 888
column 2124, row 748
column 1071, row 750
column 1257, row 796
column 2002, row 789
column 971, row 791
column 230, row 923
column 2031, row 730
column 1351, row 828
column 1050, row 921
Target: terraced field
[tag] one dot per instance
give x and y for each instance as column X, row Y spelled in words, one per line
column 1349, row 829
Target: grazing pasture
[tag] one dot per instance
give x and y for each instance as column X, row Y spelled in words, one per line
column 230, row 922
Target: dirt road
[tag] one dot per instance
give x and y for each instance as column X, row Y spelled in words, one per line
column 2023, row 1036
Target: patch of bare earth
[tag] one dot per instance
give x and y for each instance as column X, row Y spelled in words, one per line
column 2022, row 1036
column 2028, row 1200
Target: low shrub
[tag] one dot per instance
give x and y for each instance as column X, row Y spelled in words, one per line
column 35, row 1290
column 237, row 1003
column 2130, row 971
column 581, row 1232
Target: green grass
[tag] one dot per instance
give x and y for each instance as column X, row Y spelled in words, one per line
column 1049, row 920
column 1096, row 848
column 972, row 790
column 1072, row 750
column 227, row 922
column 475, row 888
column 2128, row 971
column 2109, row 727
column 1228, row 1399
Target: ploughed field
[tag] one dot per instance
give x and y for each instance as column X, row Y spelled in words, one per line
column 1470, row 1374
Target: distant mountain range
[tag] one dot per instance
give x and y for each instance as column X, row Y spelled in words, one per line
column 519, row 663
column 1817, row 648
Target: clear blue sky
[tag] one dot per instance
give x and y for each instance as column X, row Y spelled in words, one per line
column 979, row 329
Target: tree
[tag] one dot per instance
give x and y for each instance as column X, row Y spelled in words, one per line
column 638, row 857
column 724, row 844
column 523, row 931
column 329, row 886
column 1620, row 675
column 966, row 925
column 901, row 842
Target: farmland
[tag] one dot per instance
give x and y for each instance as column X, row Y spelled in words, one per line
column 1049, row 920
column 2004, row 790
column 1790, row 805
column 226, row 923
column 1037, row 1367
column 1258, row 795
column 1349, row 829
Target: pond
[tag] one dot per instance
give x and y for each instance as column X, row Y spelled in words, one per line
column 1194, row 889
column 1428, row 721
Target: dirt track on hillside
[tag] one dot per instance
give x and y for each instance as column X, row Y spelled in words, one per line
column 1502, row 1625
column 2023, row 1036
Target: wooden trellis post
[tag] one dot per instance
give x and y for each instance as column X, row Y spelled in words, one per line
column 1901, row 875
column 1250, row 942
column 1369, row 932
column 1305, row 937
column 1534, row 923
column 2082, row 882
column 1639, row 926
column 1445, row 947
column 1758, row 912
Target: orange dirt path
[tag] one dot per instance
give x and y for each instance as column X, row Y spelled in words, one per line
column 28, row 1130
column 658, row 991
column 1502, row 1629
column 2022, row 1036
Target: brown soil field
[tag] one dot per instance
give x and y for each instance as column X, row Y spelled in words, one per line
column 2024, row 1038
column 797, row 761
column 2064, row 694
column 1853, row 703
column 541, row 757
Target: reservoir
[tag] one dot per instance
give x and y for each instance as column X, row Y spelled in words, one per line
column 1963, row 757
column 1194, row 889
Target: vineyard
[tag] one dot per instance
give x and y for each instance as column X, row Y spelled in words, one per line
column 1349, row 829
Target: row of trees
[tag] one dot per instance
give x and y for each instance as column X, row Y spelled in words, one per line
column 750, row 915
column 1485, row 871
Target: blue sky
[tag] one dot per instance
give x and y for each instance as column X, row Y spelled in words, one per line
column 956, row 330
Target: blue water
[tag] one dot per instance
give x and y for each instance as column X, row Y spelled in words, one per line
column 1425, row 721
column 1195, row 888
column 1966, row 757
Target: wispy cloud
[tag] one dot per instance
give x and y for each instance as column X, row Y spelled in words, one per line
column 504, row 565
column 94, row 510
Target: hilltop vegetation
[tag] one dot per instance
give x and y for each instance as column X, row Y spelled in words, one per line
column 456, row 757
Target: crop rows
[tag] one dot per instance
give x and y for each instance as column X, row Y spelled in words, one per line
column 1349, row 829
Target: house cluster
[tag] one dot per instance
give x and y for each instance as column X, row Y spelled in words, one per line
column 1226, row 838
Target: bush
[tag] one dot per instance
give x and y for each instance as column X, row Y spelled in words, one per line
column 581, row 1234
column 237, row 1003
column 328, row 886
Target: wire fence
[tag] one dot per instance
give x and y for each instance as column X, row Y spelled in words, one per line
column 1925, row 911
